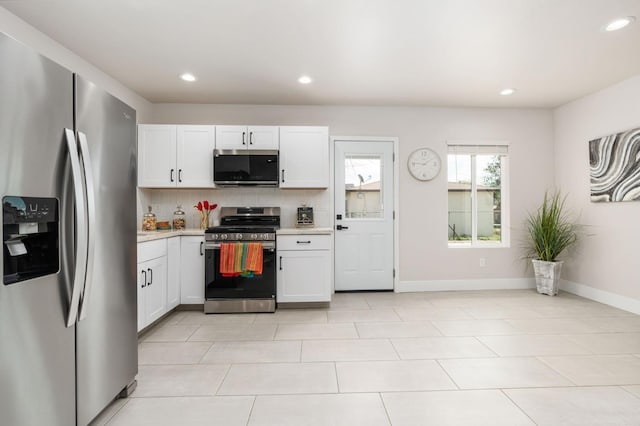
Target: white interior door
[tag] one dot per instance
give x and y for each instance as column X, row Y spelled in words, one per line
column 364, row 215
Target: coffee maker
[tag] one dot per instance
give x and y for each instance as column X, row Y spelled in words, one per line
column 304, row 217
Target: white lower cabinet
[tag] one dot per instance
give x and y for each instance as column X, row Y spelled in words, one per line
column 170, row 273
column 304, row 268
column 173, row 272
column 152, row 282
column 156, row 289
column 192, row 270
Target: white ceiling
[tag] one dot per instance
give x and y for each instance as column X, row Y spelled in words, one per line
column 359, row 52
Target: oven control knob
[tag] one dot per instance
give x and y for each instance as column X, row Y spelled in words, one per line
column 253, row 237
column 223, row 236
column 264, row 236
column 238, row 236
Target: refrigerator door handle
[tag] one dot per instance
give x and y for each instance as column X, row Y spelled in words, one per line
column 81, row 228
column 91, row 222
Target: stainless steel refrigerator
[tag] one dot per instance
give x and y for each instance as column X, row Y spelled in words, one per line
column 68, row 338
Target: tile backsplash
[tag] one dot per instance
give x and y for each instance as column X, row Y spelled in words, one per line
column 165, row 201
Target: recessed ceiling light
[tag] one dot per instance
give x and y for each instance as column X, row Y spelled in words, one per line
column 305, row 79
column 188, row 77
column 507, row 92
column 620, row 23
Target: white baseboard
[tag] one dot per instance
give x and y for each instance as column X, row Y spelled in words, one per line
column 612, row 299
column 457, row 285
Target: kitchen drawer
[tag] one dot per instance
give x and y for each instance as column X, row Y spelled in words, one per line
column 152, row 249
column 304, row 242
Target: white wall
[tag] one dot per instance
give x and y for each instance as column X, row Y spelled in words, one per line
column 606, row 259
column 424, row 256
column 28, row 35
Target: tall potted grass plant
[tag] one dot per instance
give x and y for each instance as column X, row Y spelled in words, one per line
column 551, row 231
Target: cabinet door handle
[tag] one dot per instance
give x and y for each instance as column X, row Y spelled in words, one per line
column 145, row 279
column 201, row 244
column 340, row 227
column 171, row 175
column 303, row 242
column 151, row 275
column 282, row 175
column 250, row 138
column 179, row 175
column 243, row 135
column 281, row 263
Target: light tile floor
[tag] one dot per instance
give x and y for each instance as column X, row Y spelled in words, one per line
column 510, row 357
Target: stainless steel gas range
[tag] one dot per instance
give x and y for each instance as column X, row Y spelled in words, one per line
column 225, row 293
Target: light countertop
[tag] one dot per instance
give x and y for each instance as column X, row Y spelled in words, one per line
column 156, row 235
column 304, row 231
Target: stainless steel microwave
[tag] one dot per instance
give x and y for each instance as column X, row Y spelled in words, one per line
column 245, row 167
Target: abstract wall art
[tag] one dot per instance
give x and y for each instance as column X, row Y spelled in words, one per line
column 615, row 167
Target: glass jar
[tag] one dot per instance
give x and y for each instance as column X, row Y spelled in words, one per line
column 179, row 219
column 149, row 221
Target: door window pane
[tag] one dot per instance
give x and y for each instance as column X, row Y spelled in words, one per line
column 363, row 183
column 459, row 197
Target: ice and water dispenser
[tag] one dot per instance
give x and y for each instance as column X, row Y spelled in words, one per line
column 30, row 238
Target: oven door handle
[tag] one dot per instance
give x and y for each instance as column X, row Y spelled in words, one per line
column 267, row 245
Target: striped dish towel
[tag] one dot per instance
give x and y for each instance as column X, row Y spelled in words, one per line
column 238, row 265
column 253, row 261
column 240, row 259
column 228, row 260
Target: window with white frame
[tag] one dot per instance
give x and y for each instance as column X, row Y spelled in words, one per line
column 478, row 204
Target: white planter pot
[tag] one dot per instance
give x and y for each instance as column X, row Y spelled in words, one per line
column 547, row 276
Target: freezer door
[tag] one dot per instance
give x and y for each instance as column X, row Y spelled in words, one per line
column 107, row 341
column 37, row 350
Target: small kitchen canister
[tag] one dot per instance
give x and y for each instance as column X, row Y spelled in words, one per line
column 179, row 219
column 149, row 221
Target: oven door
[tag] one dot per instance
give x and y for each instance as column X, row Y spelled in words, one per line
column 256, row 287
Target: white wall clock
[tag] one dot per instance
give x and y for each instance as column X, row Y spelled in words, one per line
column 424, row 164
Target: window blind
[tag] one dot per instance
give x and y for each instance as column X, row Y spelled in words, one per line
column 497, row 149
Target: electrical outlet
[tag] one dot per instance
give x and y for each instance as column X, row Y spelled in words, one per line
column 483, row 262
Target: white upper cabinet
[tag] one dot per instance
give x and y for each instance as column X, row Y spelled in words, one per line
column 194, row 153
column 156, row 156
column 247, row 137
column 304, row 157
column 175, row 156
column 264, row 137
column 179, row 156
